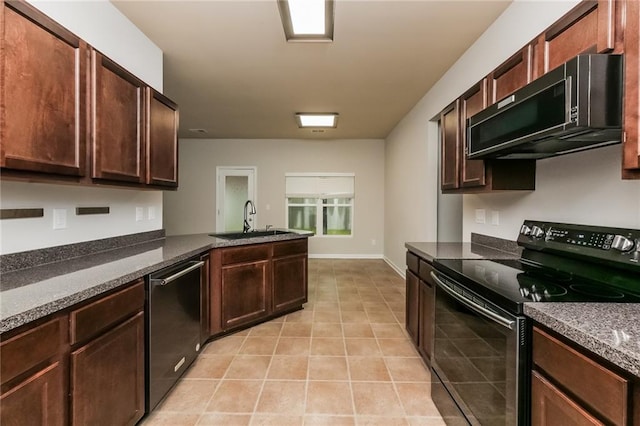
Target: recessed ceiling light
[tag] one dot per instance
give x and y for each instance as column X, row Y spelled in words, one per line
column 316, row 120
column 307, row 20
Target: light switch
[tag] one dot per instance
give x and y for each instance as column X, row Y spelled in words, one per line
column 495, row 217
column 151, row 213
column 481, row 216
column 139, row 214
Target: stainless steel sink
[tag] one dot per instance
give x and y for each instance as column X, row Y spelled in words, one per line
column 250, row 234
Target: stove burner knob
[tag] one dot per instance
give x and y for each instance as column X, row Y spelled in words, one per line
column 622, row 244
column 537, row 232
column 525, row 230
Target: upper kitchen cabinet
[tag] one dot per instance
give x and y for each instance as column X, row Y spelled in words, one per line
column 513, row 74
column 631, row 118
column 43, row 94
column 162, row 140
column 117, row 122
column 68, row 113
column 450, row 146
column 459, row 174
column 590, row 27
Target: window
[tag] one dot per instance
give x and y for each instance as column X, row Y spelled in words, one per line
column 320, row 203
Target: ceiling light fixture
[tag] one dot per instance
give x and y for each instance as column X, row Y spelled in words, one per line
column 307, row 20
column 315, row 120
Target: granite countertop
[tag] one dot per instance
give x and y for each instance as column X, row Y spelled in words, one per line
column 32, row 293
column 606, row 329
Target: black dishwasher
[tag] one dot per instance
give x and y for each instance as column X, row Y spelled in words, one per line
column 172, row 326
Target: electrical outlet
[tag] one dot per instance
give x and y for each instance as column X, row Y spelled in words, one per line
column 59, row 218
column 481, row 216
column 151, row 213
column 495, row 217
column 373, row 242
column 139, row 214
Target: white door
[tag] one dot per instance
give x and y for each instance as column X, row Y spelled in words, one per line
column 235, row 185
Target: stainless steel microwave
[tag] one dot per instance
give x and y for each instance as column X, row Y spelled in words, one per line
column 574, row 107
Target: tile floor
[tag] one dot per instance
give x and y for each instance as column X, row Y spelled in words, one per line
column 343, row 360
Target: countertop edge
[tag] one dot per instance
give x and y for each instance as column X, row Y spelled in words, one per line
column 26, row 316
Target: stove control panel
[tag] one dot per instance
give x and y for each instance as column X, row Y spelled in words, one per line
column 614, row 245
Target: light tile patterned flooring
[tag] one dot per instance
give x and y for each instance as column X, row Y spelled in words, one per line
column 343, row 360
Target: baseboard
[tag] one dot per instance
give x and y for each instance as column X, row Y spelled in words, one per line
column 346, row 256
column 400, row 271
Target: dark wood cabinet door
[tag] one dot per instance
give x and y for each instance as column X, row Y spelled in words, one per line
column 43, row 94
column 426, row 319
column 117, row 127
column 472, row 102
column 244, row 292
column 513, row 74
column 590, row 27
column 39, row 400
column 162, row 140
column 107, row 377
column 205, row 294
column 412, row 305
column 550, row 407
column 450, row 146
column 631, row 119
column 289, row 284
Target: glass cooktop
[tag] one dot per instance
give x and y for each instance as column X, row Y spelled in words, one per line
column 510, row 283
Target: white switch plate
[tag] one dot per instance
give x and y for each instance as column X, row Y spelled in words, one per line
column 481, row 216
column 59, row 218
column 139, row 214
column 151, row 213
column 495, row 217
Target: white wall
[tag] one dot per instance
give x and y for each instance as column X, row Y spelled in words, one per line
column 412, row 152
column 192, row 208
column 579, row 188
column 104, row 27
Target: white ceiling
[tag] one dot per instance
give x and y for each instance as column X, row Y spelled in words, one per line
column 229, row 68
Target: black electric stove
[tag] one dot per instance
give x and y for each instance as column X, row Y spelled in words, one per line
column 559, row 263
column 482, row 345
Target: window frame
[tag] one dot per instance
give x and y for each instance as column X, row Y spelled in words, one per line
column 320, row 205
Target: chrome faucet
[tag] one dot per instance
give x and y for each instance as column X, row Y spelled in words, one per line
column 247, row 226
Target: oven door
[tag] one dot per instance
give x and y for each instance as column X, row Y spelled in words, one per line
column 480, row 359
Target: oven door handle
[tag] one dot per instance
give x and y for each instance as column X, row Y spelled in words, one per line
column 472, row 305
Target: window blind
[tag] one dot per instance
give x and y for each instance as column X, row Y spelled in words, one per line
column 320, row 186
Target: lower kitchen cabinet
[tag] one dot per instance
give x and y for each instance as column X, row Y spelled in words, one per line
column 107, row 359
column 107, row 377
column 83, row 366
column 570, row 386
column 250, row 284
column 420, row 305
column 412, row 305
column 426, row 318
column 289, row 267
column 33, row 371
column 244, row 293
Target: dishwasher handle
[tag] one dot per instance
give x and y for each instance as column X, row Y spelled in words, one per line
column 164, row 281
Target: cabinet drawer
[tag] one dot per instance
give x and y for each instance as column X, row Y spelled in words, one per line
column 599, row 388
column 246, row 254
column 90, row 320
column 26, row 350
column 412, row 262
column 425, row 272
column 289, row 248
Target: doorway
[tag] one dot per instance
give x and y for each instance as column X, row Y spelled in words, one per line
column 234, row 186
